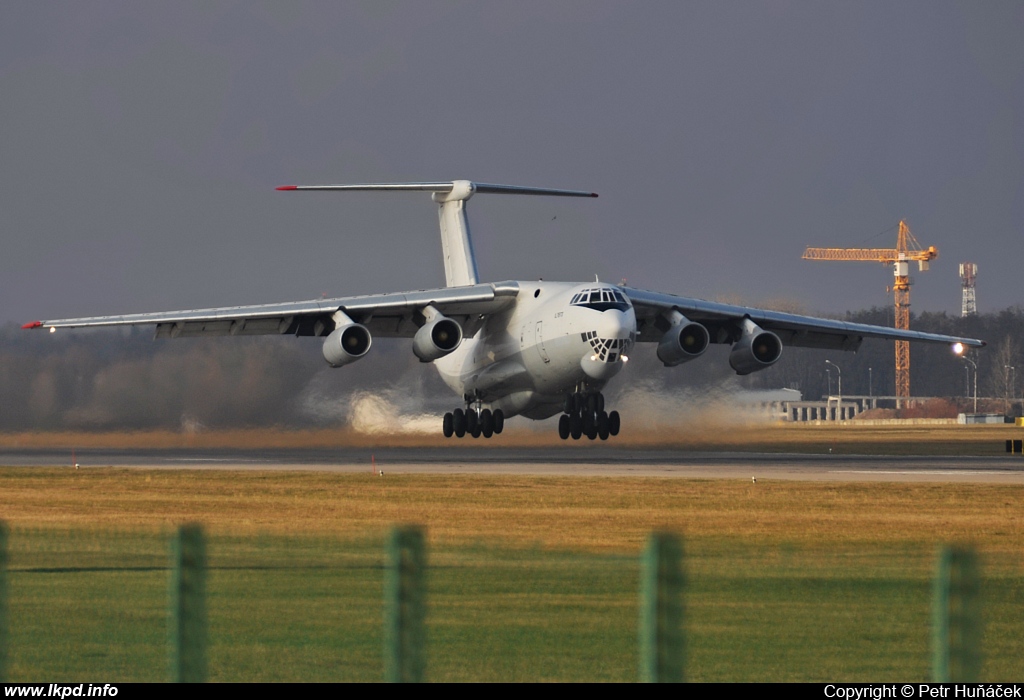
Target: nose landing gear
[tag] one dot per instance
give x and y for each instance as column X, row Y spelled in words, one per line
column 474, row 421
column 584, row 414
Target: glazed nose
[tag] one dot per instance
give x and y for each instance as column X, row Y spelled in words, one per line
column 614, row 324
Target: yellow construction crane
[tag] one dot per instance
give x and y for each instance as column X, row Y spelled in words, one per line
column 907, row 250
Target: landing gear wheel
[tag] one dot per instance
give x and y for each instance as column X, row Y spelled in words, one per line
column 486, row 423
column 578, row 403
column 588, row 422
column 592, row 400
column 499, row 421
column 563, row 427
column 459, row 422
column 575, row 426
column 600, row 403
column 472, row 423
column 448, row 425
column 613, row 423
column 591, row 431
column 602, row 425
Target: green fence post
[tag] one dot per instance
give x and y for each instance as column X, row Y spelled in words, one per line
column 188, row 605
column 4, row 626
column 661, row 610
column 956, row 617
column 404, row 606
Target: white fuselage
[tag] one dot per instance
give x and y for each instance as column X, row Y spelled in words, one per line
column 525, row 360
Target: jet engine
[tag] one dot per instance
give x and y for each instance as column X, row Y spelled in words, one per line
column 683, row 342
column 756, row 349
column 347, row 343
column 436, row 338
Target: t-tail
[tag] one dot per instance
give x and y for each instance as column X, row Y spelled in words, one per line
column 456, row 243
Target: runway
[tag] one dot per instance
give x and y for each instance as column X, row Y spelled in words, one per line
column 567, row 461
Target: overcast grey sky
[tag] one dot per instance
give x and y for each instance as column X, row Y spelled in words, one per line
column 141, row 142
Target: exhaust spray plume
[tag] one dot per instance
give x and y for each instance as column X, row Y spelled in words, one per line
column 379, row 414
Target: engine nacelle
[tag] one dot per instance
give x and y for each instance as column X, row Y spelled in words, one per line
column 346, row 344
column 683, row 342
column 437, row 338
column 756, row 349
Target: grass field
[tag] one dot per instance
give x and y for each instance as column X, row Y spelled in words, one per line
column 532, row 578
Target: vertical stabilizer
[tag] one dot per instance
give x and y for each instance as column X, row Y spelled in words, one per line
column 456, row 243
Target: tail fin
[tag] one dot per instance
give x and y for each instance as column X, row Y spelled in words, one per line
column 456, row 244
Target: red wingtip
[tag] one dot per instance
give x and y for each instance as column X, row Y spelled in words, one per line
column 288, row 187
column 33, row 324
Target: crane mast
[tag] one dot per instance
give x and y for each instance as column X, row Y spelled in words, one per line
column 907, row 250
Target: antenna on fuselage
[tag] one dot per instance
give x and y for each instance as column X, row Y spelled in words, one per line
column 456, row 244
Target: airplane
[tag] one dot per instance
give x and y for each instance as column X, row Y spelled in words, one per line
column 519, row 348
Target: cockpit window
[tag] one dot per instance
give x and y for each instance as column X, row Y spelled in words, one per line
column 601, row 299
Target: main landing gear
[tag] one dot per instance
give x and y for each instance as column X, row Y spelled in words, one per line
column 585, row 415
column 473, row 421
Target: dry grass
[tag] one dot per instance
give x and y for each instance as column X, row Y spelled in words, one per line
column 576, row 513
column 532, row 578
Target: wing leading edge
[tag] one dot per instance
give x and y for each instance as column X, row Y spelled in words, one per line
column 723, row 322
column 385, row 315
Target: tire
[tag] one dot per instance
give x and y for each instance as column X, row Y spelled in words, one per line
column 613, row 423
column 602, row 425
column 486, row 423
column 575, row 426
column 448, row 425
column 591, row 403
column 499, row 421
column 563, row 427
column 472, row 423
column 600, row 403
column 568, row 404
column 592, row 432
column 459, row 422
column 588, row 422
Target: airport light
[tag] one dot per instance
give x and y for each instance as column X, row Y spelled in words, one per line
column 1013, row 382
column 975, row 366
column 871, row 385
column 839, row 407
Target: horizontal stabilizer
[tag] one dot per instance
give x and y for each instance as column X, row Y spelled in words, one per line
column 456, row 244
column 446, row 187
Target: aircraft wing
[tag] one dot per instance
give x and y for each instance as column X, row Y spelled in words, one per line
column 723, row 324
column 385, row 315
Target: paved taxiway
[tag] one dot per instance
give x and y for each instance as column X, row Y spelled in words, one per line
column 579, row 461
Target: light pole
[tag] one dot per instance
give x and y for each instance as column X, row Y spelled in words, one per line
column 975, row 366
column 839, row 407
column 871, row 386
column 1013, row 383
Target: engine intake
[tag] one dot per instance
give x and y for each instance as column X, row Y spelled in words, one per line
column 756, row 349
column 683, row 342
column 437, row 338
column 347, row 343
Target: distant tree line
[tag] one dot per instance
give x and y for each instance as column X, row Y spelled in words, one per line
column 123, row 379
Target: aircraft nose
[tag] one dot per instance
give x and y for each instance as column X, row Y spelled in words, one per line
column 615, row 324
column 613, row 332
